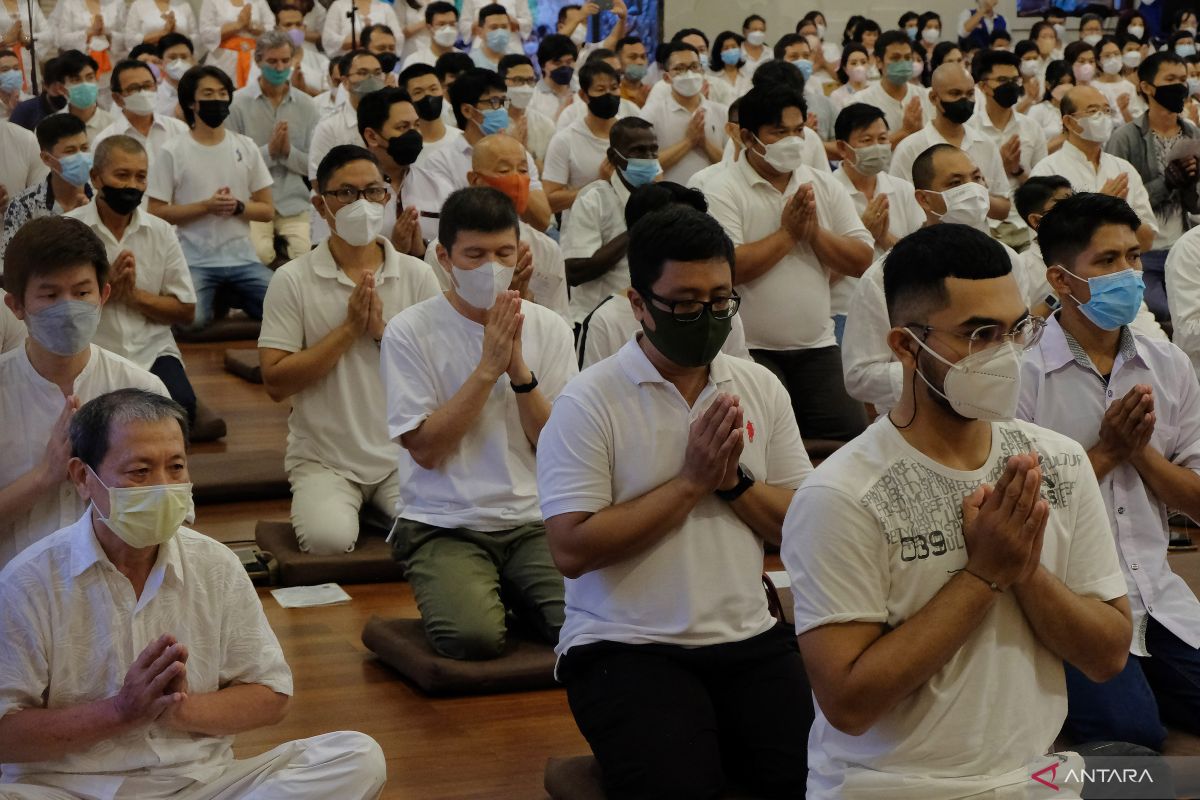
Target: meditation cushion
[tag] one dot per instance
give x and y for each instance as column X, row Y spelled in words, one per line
column 235, row 327
column 231, row 477
column 208, row 427
column 370, row 562
column 245, row 363
column 402, row 645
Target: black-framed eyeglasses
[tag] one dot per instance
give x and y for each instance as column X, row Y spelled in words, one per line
column 1025, row 335
column 494, row 103
column 998, row 82
column 690, row 310
column 348, row 194
column 149, row 86
column 529, row 81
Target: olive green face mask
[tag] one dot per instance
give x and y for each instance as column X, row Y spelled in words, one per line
column 688, row 344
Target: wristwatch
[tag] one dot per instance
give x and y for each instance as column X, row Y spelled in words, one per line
column 526, row 388
column 745, row 481
column 240, row 209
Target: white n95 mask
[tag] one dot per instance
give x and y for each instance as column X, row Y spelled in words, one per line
column 481, row 286
column 359, row 223
column 984, row 385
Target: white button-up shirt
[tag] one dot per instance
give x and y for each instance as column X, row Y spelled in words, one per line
column 72, row 628
column 29, row 407
column 162, row 130
column 1061, row 390
column 981, row 150
column 340, row 127
column 1071, row 163
column 1028, row 133
column 1183, row 293
column 337, row 25
column 446, row 172
column 787, row 307
column 597, row 217
column 671, row 120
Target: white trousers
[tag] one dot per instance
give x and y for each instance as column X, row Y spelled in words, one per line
column 345, row 765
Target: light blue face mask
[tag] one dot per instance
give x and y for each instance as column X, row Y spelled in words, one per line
column 1116, row 299
column 640, row 171
column 805, row 66
column 65, row 328
column 82, row 95
column 497, row 40
column 1185, row 50
column 494, row 121
column 11, row 81
column 76, row 168
column 731, row 57
column 635, row 72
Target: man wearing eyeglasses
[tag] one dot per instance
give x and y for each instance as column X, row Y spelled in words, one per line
column 324, row 318
column 662, row 472
column 1134, row 403
column 134, row 89
column 948, row 561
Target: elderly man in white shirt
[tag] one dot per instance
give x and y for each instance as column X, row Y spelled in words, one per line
column 1134, row 404
column 793, row 227
column 1082, row 160
column 57, row 274
column 135, row 648
column 135, row 91
column 690, row 129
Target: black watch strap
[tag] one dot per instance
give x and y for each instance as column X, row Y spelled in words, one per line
column 526, row 388
column 745, row 481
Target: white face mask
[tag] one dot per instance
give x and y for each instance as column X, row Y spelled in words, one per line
column 786, row 155
column 984, row 385
column 1136, row 31
column 688, row 84
column 820, row 30
column 967, row 204
column 1096, row 128
column 177, row 67
column 481, row 286
column 579, row 35
column 1029, row 67
column 1092, row 39
column 1132, row 59
column 359, row 223
column 931, row 35
column 141, row 103
column 145, row 516
column 756, row 38
column 446, row 36
column 520, row 96
column 1112, row 65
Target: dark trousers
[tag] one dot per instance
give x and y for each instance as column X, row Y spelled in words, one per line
column 814, row 380
column 675, row 722
column 169, row 370
column 1128, row 707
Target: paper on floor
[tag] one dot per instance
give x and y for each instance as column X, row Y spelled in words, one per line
column 326, row 594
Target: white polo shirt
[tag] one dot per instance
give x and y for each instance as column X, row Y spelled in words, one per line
column 162, row 130
column 670, row 121
column 339, row 421
column 445, row 173
column 161, row 270
column 575, row 155
column 489, row 483
column 340, row 127
column 577, row 111
column 983, row 154
column 1183, row 293
column 620, row 430
column 814, row 153
column 787, row 307
column 1033, row 147
column 29, row 407
column 597, row 217
column 893, row 110
column 1071, row 163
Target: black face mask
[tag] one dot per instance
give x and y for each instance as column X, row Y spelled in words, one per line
column 1007, row 95
column 405, row 148
column 959, row 111
column 429, row 107
column 212, row 112
column 387, row 61
column 1171, row 96
column 605, row 106
column 121, row 200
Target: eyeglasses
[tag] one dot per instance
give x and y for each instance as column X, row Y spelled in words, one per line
column 363, row 74
column 494, row 103
column 684, row 68
column 530, row 81
column 690, row 310
column 998, row 82
column 348, row 194
column 1026, row 334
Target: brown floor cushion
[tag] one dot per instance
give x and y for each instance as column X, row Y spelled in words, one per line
column 208, row 427
column 370, row 562
column 579, row 778
column 231, row 477
column 820, row 449
column 233, row 328
column 245, row 363
column 401, row 644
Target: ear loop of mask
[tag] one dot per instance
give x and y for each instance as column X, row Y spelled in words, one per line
column 913, row 418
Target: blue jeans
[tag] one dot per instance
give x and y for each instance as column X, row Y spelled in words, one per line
column 1128, row 707
column 839, row 327
column 247, row 281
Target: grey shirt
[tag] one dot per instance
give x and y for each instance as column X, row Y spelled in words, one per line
column 255, row 116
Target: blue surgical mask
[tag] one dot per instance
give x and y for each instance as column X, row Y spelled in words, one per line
column 731, row 57
column 1185, row 50
column 635, row 72
column 82, row 95
column 11, row 81
column 640, row 171
column 497, row 40
column 65, row 328
column 1116, row 299
column 76, row 168
column 276, row 77
column 494, row 121
column 805, row 66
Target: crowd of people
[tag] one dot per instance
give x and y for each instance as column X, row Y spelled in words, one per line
column 567, row 314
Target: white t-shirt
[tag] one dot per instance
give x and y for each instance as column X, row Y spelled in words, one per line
column 574, row 156
column 893, row 110
column 451, row 137
column 578, row 110
column 489, row 483
column 620, row 430
column 12, row 330
column 339, row 420
column 871, row 537
column 597, row 217
column 190, row 172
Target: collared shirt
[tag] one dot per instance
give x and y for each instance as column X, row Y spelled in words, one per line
column 256, row 116
column 1028, row 133
column 1062, row 390
column 620, row 430
column 548, row 102
column 893, row 110
column 22, row 165
column 161, row 271
column 1183, row 293
column 72, row 628
column 449, row 139
column 787, row 307
column 162, row 130
column 340, row 127
column 1071, row 163
column 597, row 217
column 983, row 153
column 167, row 100
column 671, row 120
column 575, row 155
column 447, row 171
column 100, row 120
column 29, row 407
column 35, row 202
column 339, row 421
column 337, row 25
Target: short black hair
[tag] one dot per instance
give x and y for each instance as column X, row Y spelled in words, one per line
column 915, row 271
column 491, row 10
column 91, row 426
column 114, row 81
column 619, row 135
column 627, row 41
column 987, row 60
column 143, row 49
column 905, row 18
column 47, row 245
column 72, row 62
column 56, row 127
column 922, row 168
column 413, row 71
column 1055, row 71
column 764, row 105
column 562, row 12
column 375, row 108
column 338, row 157
column 470, row 86
column 171, row 40
column 364, row 36
column 1031, row 196
column 1067, row 228
column 786, row 41
column 439, row 7
column 674, row 233
column 926, row 18
column 1084, row 19
column 714, row 54
column 653, row 196
column 871, row 26
column 554, row 47
column 189, row 82
column 1074, row 50
column 594, row 69
column 1025, row 46
column 347, row 59
column 599, row 54
column 671, row 48
column 682, row 32
column 777, row 72
column 1148, row 69
column 854, row 117
column 1000, row 33
column 887, row 39
column 477, row 208
column 847, row 51
column 452, row 63
column 513, row 60
column 752, row 18
column 940, row 51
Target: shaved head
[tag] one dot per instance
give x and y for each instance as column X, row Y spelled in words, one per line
column 492, row 150
column 950, row 76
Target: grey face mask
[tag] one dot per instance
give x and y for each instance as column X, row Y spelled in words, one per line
column 65, row 328
column 872, row 159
